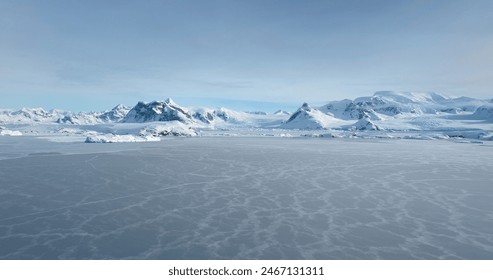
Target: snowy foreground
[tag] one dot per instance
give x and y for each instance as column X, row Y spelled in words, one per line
column 246, row 198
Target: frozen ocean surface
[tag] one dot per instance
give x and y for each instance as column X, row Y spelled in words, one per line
column 246, row 198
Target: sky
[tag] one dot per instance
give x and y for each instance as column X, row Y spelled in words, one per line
column 248, row 54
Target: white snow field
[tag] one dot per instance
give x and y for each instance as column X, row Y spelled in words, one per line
column 246, row 198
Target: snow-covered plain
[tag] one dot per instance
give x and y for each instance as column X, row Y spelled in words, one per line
column 246, row 198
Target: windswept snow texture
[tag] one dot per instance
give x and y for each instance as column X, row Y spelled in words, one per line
column 246, row 198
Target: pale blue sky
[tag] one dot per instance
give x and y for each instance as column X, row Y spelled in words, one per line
column 93, row 54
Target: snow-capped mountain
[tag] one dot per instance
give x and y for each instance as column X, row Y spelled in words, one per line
column 204, row 115
column 168, row 110
column 158, row 111
column 390, row 103
column 228, row 115
column 307, row 117
column 30, row 115
column 396, row 110
column 80, row 118
column 349, row 110
column 114, row 115
column 39, row 115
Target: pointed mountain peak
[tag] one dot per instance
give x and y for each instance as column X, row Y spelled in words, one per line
column 166, row 110
column 365, row 123
column 170, row 102
column 308, row 118
column 119, row 107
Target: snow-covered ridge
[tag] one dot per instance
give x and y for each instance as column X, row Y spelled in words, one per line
column 30, row 115
column 390, row 103
column 40, row 115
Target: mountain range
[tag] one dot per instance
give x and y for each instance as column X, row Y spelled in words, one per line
column 384, row 109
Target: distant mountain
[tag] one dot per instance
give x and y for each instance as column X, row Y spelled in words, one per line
column 257, row 113
column 158, row 111
column 282, row 112
column 228, row 115
column 307, row 117
column 204, row 115
column 389, row 109
column 390, row 103
column 349, row 110
column 39, row 115
column 30, row 115
column 114, row 115
column 80, row 118
column 168, row 110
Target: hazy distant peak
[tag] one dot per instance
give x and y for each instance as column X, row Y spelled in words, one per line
column 282, row 112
